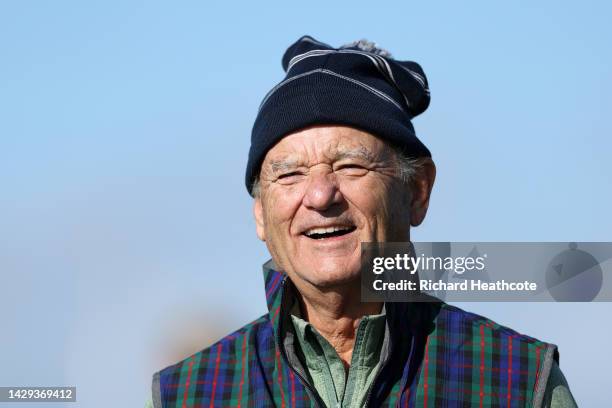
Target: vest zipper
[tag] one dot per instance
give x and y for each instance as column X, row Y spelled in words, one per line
column 280, row 344
column 382, row 366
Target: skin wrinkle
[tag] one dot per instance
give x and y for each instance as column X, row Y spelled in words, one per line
column 334, row 175
column 279, row 166
column 407, row 167
column 289, row 163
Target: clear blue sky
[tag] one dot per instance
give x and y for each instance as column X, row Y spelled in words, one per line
column 126, row 238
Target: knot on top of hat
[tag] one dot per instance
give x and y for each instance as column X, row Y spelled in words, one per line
column 368, row 46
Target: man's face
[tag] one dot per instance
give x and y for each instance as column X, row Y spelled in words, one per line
column 323, row 191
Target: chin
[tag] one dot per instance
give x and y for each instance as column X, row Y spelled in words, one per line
column 331, row 276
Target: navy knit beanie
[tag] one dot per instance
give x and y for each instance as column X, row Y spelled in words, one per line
column 357, row 85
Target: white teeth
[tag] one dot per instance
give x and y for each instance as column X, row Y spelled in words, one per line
column 326, row 230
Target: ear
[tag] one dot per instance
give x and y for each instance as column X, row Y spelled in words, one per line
column 421, row 191
column 259, row 218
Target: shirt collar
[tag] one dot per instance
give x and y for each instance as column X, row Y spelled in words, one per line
column 403, row 320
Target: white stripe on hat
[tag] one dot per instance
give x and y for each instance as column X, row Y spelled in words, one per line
column 369, row 88
column 379, row 62
column 415, row 75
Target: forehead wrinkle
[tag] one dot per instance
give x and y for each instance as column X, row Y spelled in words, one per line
column 360, row 152
column 336, row 150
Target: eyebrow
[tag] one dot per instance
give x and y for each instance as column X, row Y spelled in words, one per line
column 357, row 153
column 280, row 165
column 283, row 165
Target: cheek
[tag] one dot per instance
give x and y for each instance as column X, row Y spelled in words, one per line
column 379, row 201
column 398, row 209
column 370, row 194
column 279, row 210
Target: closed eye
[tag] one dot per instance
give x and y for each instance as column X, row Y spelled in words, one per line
column 290, row 178
column 286, row 175
column 351, row 169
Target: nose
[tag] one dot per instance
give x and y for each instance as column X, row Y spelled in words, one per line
column 322, row 191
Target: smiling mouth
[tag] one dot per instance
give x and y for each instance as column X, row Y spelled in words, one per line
column 328, row 232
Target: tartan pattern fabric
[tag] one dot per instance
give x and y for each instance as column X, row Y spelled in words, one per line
column 441, row 356
column 472, row 361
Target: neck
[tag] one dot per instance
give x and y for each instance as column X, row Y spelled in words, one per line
column 336, row 314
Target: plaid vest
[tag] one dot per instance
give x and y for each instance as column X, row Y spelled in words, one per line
column 434, row 355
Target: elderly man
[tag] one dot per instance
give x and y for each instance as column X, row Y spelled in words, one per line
column 334, row 162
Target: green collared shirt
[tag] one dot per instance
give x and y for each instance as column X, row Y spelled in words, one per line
column 334, row 385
